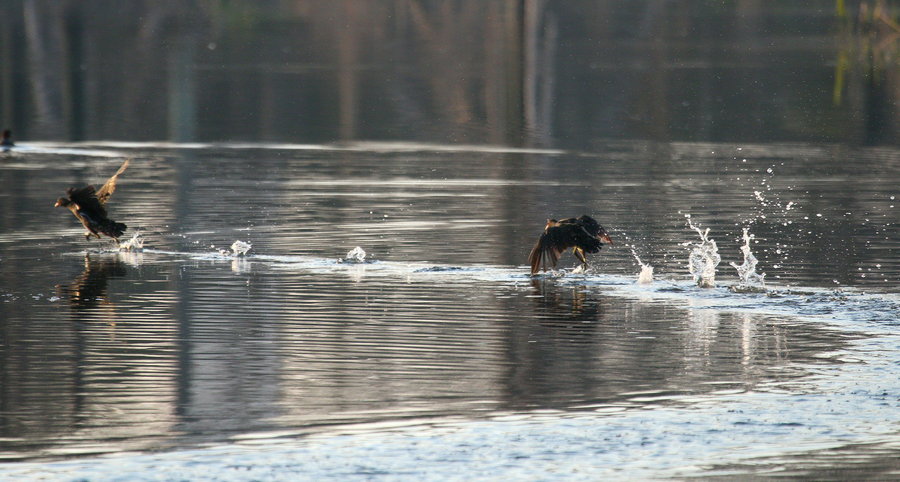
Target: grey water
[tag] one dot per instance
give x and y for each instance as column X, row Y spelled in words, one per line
column 325, row 275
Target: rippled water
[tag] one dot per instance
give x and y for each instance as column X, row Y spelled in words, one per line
column 436, row 355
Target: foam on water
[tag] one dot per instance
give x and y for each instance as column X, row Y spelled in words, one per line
column 355, row 255
column 747, row 275
column 240, row 248
column 704, row 257
column 842, row 306
column 133, row 244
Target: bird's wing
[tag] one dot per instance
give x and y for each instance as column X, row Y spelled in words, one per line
column 548, row 249
column 586, row 240
column 110, row 186
column 86, row 199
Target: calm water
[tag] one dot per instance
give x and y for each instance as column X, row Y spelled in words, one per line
column 439, row 346
column 438, row 137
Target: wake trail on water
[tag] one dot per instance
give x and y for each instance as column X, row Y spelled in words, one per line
column 840, row 306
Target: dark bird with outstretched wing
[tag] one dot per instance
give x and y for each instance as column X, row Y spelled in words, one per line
column 583, row 234
column 89, row 206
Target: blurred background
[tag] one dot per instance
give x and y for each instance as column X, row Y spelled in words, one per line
column 520, row 73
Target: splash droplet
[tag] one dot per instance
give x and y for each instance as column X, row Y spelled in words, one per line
column 703, row 259
column 747, row 270
column 646, row 274
column 355, row 255
column 240, row 248
column 134, row 244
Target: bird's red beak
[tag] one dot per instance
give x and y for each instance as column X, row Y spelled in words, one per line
column 605, row 238
column 56, row 205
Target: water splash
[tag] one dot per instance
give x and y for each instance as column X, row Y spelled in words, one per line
column 704, row 257
column 646, row 274
column 355, row 255
column 240, row 248
column 747, row 274
column 133, row 244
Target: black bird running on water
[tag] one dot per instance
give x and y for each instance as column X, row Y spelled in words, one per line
column 88, row 204
column 7, row 142
column 583, row 234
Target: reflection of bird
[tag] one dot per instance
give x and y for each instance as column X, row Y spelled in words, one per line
column 566, row 306
column 7, row 141
column 583, row 234
column 88, row 206
column 90, row 287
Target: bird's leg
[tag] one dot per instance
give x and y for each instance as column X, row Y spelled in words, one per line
column 580, row 255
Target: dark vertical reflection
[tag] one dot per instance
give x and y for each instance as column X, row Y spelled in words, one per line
column 348, row 68
column 77, row 91
column 182, row 90
column 567, row 73
column 8, row 31
column 46, row 64
column 540, row 45
column 184, row 381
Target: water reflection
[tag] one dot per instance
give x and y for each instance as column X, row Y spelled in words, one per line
column 568, row 307
column 451, row 72
column 201, row 352
column 89, row 289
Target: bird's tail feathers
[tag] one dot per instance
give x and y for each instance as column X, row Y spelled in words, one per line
column 534, row 258
column 543, row 255
column 114, row 229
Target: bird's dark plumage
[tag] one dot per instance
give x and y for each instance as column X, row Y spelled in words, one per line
column 88, row 205
column 583, row 234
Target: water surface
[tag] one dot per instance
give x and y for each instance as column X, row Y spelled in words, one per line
column 438, row 345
